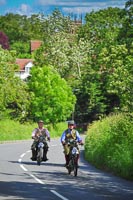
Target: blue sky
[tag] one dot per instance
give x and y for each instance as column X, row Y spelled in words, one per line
column 28, row 7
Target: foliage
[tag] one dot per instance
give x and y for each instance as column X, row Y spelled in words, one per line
column 13, row 130
column 108, row 144
column 102, row 27
column 118, row 75
column 125, row 35
column 52, row 98
column 22, row 49
column 106, row 84
column 55, row 23
column 21, row 28
column 67, row 56
column 10, row 99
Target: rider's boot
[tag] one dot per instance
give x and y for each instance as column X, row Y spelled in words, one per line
column 45, row 155
column 67, row 160
column 33, row 158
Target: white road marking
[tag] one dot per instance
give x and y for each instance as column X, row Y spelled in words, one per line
column 22, row 155
column 57, row 194
column 23, row 168
column 38, row 180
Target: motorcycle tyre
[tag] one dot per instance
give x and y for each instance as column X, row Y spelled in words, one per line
column 75, row 169
column 70, row 167
column 39, row 156
column 69, row 170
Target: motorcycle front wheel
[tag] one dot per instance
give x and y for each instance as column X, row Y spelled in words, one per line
column 70, row 166
column 39, row 156
column 75, row 169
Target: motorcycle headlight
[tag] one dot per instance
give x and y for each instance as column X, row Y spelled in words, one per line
column 75, row 150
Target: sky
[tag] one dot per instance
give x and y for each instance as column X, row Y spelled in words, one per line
column 67, row 7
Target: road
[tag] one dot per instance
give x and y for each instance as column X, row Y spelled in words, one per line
column 21, row 178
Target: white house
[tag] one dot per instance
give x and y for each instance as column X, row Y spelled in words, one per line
column 25, row 64
column 24, row 67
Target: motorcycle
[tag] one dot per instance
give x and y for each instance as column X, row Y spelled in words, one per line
column 73, row 156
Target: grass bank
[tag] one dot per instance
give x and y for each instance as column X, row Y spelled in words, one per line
column 109, row 145
column 12, row 130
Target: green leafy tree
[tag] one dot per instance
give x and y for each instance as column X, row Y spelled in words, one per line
column 102, row 27
column 126, row 31
column 12, row 25
column 52, row 98
column 14, row 98
column 118, row 75
column 106, row 61
column 22, row 49
column 21, row 28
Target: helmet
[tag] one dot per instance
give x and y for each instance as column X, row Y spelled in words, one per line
column 40, row 121
column 71, row 122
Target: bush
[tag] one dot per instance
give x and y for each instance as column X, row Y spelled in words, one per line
column 108, row 145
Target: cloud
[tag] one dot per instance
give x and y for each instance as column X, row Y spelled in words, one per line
column 65, row 3
column 78, row 3
column 76, row 6
column 24, row 8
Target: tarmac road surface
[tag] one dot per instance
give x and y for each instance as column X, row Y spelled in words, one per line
column 21, row 178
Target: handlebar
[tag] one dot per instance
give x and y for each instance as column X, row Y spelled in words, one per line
column 72, row 141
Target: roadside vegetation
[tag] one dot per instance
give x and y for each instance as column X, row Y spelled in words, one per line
column 109, row 145
column 13, row 130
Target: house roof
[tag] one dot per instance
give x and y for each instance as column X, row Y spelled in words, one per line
column 35, row 44
column 22, row 62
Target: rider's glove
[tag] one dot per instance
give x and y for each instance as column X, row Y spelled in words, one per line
column 81, row 143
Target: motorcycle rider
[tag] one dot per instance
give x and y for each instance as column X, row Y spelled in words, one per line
column 70, row 133
column 35, row 133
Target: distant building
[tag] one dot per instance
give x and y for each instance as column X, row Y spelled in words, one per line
column 25, row 64
column 35, row 44
column 76, row 22
column 25, row 67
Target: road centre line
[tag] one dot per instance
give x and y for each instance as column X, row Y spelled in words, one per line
column 23, row 168
column 38, row 180
column 22, row 155
column 57, row 194
column 35, row 178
